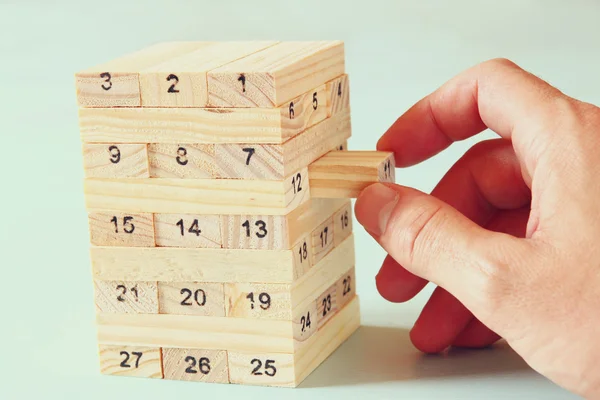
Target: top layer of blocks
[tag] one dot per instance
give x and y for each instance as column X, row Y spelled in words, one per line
column 265, row 74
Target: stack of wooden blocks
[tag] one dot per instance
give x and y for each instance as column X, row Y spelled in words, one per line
column 218, row 186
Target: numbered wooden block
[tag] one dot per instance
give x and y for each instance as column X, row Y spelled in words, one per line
column 342, row 221
column 196, row 365
column 322, row 240
column 121, row 229
column 327, row 305
column 188, row 161
column 345, row 174
column 254, row 232
column 303, row 258
column 345, row 288
column 250, row 161
column 273, row 369
column 275, row 75
column 191, row 298
column 258, row 300
column 116, row 82
column 141, row 362
column 338, row 95
column 181, row 81
column 115, row 160
column 126, row 297
column 187, row 230
column 305, row 322
column 197, row 196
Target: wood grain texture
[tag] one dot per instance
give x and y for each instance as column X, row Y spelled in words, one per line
column 121, row 229
column 261, row 368
column 126, row 297
column 133, row 361
column 322, row 239
column 338, row 95
column 195, row 196
column 276, row 75
column 327, row 305
column 250, row 161
column 193, row 332
column 109, row 160
column 191, row 298
column 346, row 288
column 187, row 230
column 116, row 83
column 342, row 223
column 345, row 174
column 187, row 161
column 303, row 258
column 306, row 321
column 165, row 264
column 258, row 300
column 181, row 81
column 265, row 232
column 180, row 125
column 196, row 365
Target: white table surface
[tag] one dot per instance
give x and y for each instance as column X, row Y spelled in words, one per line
column 397, row 51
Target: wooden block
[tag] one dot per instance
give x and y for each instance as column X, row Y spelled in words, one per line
column 116, row 83
column 196, row 365
column 322, row 239
column 342, row 223
column 181, row 81
column 338, row 95
column 188, row 161
column 344, row 174
column 327, row 305
column 186, row 230
column 346, row 288
column 258, row 300
column 133, row 361
column 276, row 161
column 254, row 232
column 193, row 332
column 126, row 297
column 264, row 369
column 168, row 264
column 305, row 321
column 191, row 298
column 115, row 160
column 197, row 196
column 275, row 75
column 121, row 229
column 303, row 258
column 248, row 126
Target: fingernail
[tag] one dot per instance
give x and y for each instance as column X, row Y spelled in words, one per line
column 374, row 207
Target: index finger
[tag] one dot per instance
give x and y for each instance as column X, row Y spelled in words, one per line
column 496, row 94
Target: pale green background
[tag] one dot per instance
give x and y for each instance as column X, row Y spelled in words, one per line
column 397, row 51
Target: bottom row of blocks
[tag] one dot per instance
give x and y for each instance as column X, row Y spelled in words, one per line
column 225, row 366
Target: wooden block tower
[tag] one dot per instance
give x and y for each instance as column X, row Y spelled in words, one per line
column 218, row 186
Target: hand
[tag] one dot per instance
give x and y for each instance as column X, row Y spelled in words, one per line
column 511, row 234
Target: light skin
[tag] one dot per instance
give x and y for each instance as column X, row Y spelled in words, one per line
column 511, row 234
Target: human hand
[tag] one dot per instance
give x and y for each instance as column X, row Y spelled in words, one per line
column 510, row 234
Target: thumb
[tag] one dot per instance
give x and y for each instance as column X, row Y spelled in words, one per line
column 432, row 239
